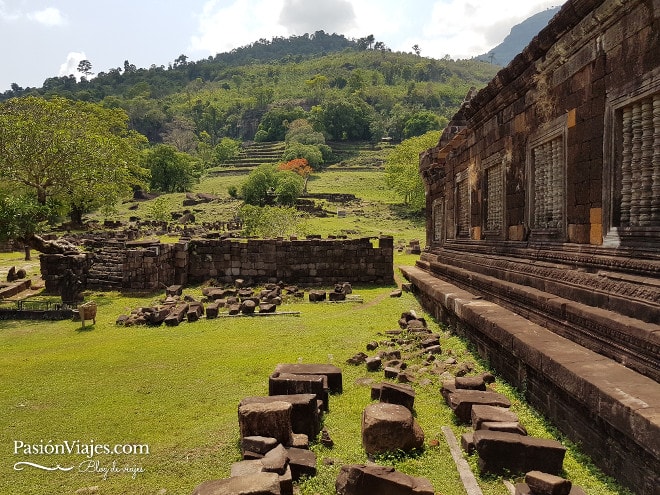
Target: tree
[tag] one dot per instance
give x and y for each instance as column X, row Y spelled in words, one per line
column 417, row 49
column 299, row 166
column 421, row 123
column 402, row 169
column 21, row 217
column 271, row 221
column 345, row 119
column 85, row 67
column 273, row 124
column 289, row 187
column 268, row 185
column 68, row 152
column 171, row 170
column 226, row 150
column 309, row 152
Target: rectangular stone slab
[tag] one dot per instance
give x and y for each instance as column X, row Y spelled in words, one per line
column 332, row 372
column 461, row 402
column 304, row 412
column 482, row 413
column 499, row 451
column 288, row 384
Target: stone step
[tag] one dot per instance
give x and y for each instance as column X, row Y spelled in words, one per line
column 628, row 340
column 612, row 411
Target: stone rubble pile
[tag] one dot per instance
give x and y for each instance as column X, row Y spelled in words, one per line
column 175, row 308
column 276, row 430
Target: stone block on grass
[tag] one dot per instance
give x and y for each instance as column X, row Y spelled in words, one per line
column 361, row 479
column 388, row 428
column 500, row 452
column 266, row 419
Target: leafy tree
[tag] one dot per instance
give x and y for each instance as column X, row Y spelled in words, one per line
column 21, row 218
column 299, row 166
column 345, row 119
column 226, row 150
column 267, row 185
column 85, row 67
column 171, row 170
column 259, row 187
column 421, row 123
column 402, row 169
column 273, row 124
column 69, row 152
column 309, row 152
column 289, row 187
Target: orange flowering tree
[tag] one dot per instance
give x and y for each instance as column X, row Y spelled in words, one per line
column 300, row 166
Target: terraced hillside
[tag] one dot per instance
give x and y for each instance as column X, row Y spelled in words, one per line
column 255, row 154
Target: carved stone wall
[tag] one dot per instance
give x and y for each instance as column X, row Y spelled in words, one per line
column 556, row 238
column 575, row 122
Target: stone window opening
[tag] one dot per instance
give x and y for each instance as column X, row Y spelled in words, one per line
column 439, row 220
column 637, row 200
column 546, row 169
column 462, row 206
column 493, row 208
column 631, row 173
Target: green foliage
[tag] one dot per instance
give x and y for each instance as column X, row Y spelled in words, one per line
column 274, row 123
column 420, row 123
column 81, row 155
column 345, row 119
column 271, row 221
column 311, row 153
column 226, row 150
column 159, row 210
column 171, row 171
column 289, row 187
column 21, row 216
column 267, row 185
column 259, row 187
column 402, row 169
column 302, row 141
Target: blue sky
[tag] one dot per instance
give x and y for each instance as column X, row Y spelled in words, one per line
column 47, row 38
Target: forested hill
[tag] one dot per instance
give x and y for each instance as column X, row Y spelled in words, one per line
column 351, row 89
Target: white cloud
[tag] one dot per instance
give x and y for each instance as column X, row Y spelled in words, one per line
column 465, row 28
column 71, row 65
column 308, row 16
column 6, row 15
column 48, row 17
column 222, row 28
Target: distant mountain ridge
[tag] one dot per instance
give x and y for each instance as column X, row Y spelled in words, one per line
column 519, row 37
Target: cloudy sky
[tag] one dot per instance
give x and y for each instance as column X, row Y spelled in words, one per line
column 47, row 38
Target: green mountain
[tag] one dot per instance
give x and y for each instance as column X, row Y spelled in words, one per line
column 519, row 37
column 349, row 89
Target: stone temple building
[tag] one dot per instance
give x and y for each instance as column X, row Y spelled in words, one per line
column 543, row 229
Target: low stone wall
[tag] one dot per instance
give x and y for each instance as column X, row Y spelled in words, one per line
column 308, row 261
column 152, row 265
column 54, row 266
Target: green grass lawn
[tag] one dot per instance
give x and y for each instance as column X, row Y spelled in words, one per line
column 177, row 391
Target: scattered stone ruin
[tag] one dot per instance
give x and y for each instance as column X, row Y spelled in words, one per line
column 150, row 265
column 543, row 230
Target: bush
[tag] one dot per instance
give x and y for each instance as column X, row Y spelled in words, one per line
column 271, row 221
column 309, row 152
column 266, row 185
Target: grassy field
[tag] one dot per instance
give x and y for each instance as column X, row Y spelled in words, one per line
column 177, row 390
